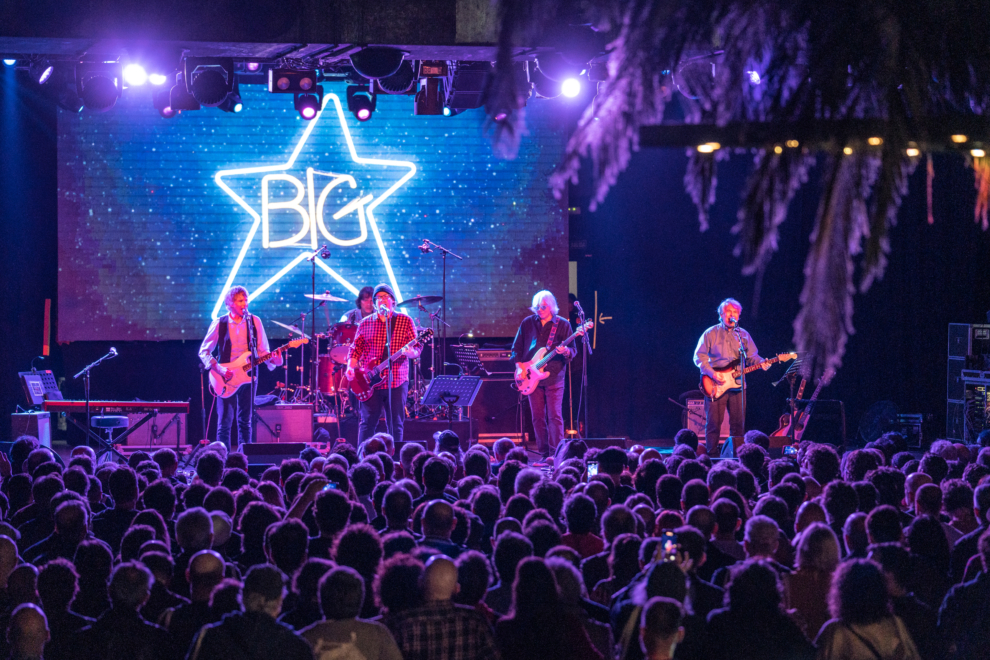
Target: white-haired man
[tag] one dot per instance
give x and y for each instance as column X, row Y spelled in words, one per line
column 233, row 335
column 545, row 329
column 718, row 346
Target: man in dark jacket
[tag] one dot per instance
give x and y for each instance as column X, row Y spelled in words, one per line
column 121, row 633
column 253, row 633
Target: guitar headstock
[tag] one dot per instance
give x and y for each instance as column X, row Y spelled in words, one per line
column 298, row 342
column 786, row 357
column 424, row 336
column 587, row 325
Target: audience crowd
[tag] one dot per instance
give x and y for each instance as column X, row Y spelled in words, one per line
column 374, row 553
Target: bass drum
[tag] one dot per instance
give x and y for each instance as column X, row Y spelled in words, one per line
column 341, row 337
column 331, row 376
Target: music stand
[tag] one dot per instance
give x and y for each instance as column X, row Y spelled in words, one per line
column 450, row 391
column 39, row 386
column 467, row 356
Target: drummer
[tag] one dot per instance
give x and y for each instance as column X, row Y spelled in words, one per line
column 364, row 307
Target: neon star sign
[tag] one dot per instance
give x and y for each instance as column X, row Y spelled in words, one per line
column 310, row 203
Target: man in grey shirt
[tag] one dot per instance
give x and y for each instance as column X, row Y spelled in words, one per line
column 717, row 348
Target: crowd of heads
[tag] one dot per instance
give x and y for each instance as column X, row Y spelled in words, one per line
column 659, row 554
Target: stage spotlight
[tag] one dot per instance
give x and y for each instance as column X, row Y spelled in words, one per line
column 307, row 105
column 157, row 79
column 99, row 85
column 10, row 62
column 399, row 82
column 209, row 79
column 135, row 75
column 542, row 85
column 377, row 61
column 571, row 87
column 68, row 99
column 290, row 81
column 253, row 67
column 233, row 101
column 41, row 71
column 361, row 102
column 179, row 96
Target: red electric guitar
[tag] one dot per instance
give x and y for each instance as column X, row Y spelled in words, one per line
column 364, row 381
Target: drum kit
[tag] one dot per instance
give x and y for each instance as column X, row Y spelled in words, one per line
column 327, row 387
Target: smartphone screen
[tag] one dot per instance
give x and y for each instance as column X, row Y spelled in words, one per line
column 592, row 469
column 790, row 451
column 669, row 545
column 330, row 486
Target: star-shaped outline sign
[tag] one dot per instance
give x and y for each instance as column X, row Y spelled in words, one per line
column 369, row 209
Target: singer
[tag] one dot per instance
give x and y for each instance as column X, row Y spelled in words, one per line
column 379, row 336
column 235, row 336
column 718, row 346
column 545, row 329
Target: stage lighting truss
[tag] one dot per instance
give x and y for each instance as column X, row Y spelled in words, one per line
column 99, row 84
column 361, row 102
column 209, row 79
column 308, row 104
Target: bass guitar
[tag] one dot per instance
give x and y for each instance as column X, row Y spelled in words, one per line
column 731, row 373
column 241, row 368
column 796, row 428
column 529, row 374
column 363, row 384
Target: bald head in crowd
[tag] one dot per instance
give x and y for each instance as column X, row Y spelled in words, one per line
column 438, row 519
column 440, row 579
column 28, row 631
column 205, row 571
column 8, row 559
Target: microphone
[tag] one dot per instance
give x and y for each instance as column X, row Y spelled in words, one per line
column 383, row 310
column 577, row 305
column 113, row 352
column 733, row 320
column 425, row 247
column 33, row 370
column 324, row 252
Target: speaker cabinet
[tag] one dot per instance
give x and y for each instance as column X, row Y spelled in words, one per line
column 827, row 424
column 292, row 422
column 694, row 418
column 162, row 430
column 38, row 424
column 497, row 408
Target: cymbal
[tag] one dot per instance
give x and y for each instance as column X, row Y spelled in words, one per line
column 292, row 328
column 426, row 300
column 325, row 297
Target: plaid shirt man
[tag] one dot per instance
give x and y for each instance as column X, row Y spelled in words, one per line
column 441, row 630
column 369, row 346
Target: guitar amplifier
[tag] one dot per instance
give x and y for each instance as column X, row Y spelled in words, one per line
column 289, row 422
column 694, row 419
column 496, row 409
column 497, row 360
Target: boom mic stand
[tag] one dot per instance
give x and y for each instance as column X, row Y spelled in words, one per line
column 85, row 374
column 425, row 248
column 586, row 353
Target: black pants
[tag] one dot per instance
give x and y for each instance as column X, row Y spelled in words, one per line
column 371, row 412
column 715, row 411
column 546, row 405
column 235, row 406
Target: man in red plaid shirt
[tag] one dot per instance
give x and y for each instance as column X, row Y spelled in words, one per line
column 369, row 349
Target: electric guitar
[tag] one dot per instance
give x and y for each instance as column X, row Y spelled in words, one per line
column 529, row 374
column 363, row 384
column 241, row 368
column 800, row 417
column 731, row 373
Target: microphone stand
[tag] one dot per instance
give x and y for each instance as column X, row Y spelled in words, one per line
column 586, row 352
column 742, row 376
column 425, row 247
column 253, row 347
column 85, row 374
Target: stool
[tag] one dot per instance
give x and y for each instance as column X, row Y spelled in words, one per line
column 108, row 423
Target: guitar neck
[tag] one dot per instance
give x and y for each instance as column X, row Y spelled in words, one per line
column 773, row 360
column 549, row 356
column 268, row 356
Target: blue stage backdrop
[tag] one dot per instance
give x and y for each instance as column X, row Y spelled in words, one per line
column 158, row 217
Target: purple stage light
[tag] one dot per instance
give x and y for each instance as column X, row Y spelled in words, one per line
column 253, row 66
column 364, row 114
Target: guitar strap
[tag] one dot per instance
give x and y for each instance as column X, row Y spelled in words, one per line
column 553, row 333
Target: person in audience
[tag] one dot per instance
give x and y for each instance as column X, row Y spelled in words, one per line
column 806, row 589
column 539, row 626
column 753, row 625
column 919, row 619
column 58, row 584
column 661, row 628
column 306, row 586
column 962, row 618
column 121, row 633
column 28, row 632
column 510, row 549
column 863, row 626
column 110, row 525
column 253, row 633
column 341, row 634
column 571, row 589
column 204, row 573
column 94, row 563
column 439, row 628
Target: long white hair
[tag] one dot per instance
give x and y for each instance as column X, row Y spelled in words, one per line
column 540, row 297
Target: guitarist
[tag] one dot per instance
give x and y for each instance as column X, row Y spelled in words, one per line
column 545, row 329
column 369, row 348
column 234, row 335
column 718, row 346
